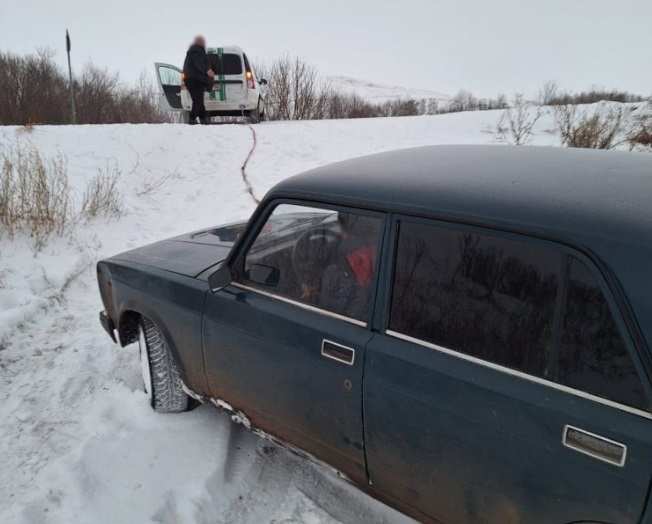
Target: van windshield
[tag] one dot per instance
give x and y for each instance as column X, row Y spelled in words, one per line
column 231, row 64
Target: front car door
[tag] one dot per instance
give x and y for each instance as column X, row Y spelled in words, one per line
column 520, row 393
column 285, row 342
column 170, row 80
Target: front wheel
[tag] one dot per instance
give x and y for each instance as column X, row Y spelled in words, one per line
column 161, row 375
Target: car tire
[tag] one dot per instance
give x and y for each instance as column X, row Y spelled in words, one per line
column 161, row 374
column 258, row 114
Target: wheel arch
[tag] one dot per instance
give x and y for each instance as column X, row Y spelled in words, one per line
column 129, row 323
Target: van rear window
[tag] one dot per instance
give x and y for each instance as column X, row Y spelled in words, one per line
column 231, row 64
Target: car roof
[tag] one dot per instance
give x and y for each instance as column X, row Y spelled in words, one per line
column 595, row 201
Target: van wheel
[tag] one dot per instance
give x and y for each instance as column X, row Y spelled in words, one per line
column 258, row 114
column 161, row 375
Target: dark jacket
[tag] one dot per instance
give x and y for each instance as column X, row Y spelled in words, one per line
column 195, row 67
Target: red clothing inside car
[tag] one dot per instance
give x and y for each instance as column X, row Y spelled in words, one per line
column 362, row 261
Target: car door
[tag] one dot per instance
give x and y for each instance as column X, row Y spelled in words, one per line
column 285, row 342
column 503, row 387
column 170, row 80
column 229, row 88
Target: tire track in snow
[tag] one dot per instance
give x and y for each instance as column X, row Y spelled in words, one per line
column 243, row 169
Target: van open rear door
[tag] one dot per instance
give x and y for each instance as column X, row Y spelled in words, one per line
column 170, row 80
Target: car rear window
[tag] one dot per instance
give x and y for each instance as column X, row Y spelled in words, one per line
column 496, row 298
column 229, row 64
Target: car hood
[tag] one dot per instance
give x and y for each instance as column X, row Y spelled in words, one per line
column 190, row 254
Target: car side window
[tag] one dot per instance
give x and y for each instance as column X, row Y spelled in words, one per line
column 593, row 355
column 320, row 257
column 495, row 298
column 486, row 296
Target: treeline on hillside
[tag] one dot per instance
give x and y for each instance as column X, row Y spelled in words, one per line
column 34, row 90
column 551, row 95
column 296, row 92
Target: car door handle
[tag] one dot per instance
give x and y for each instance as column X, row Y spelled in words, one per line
column 596, row 446
column 335, row 351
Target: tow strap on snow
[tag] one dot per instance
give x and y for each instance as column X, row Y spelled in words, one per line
column 243, row 169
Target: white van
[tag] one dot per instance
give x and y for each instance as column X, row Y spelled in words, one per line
column 237, row 91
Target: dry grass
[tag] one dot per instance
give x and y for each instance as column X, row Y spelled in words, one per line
column 34, row 194
column 600, row 129
column 36, row 198
column 102, row 196
column 641, row 137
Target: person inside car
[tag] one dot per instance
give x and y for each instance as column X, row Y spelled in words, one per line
column 346, row 282
column 198, row 78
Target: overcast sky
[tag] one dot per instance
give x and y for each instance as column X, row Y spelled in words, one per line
column 483, row 46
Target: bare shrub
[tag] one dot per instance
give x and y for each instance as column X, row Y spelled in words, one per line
column 34, row 90
column 294, row 90
column 407, row 107
column 101, row 98
column 599, row 129
column 102, row 197
column 548, row 93
column 34, row 194
column 640, row 136
column 517, row 122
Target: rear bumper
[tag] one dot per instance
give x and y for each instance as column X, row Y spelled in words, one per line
column 228, row 112
column 108, row 325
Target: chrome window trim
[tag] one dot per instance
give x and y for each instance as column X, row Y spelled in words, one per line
column 307, row 307
column 332, row 357
column 520, row 374
column 569, row 445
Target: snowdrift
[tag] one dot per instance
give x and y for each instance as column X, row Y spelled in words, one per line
column 78, row 441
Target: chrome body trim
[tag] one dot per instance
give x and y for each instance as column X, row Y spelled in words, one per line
column 587, row 452
column 333, row 357
column 520, row 374
column 301, row 305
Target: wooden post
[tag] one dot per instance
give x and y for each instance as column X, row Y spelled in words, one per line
column 73, row 108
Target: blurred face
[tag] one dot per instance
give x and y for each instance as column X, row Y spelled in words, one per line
column 200, row 41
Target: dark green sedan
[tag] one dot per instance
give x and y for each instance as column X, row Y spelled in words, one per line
column 463, row 331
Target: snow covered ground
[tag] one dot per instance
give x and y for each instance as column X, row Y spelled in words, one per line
column 77, row 439
column 380, row 93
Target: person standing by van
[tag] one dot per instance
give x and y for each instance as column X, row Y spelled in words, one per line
column 198, row 78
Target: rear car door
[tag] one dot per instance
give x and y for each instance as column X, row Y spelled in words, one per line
column 170, row 80
column 285, row 342
column 504, row 387
column 229, row 88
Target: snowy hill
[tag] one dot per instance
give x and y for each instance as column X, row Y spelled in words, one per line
column 78, row 440
column 380, row 93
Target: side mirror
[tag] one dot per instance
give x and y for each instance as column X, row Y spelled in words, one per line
column 220, row 278
column 262, row 82
column 263, row 275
